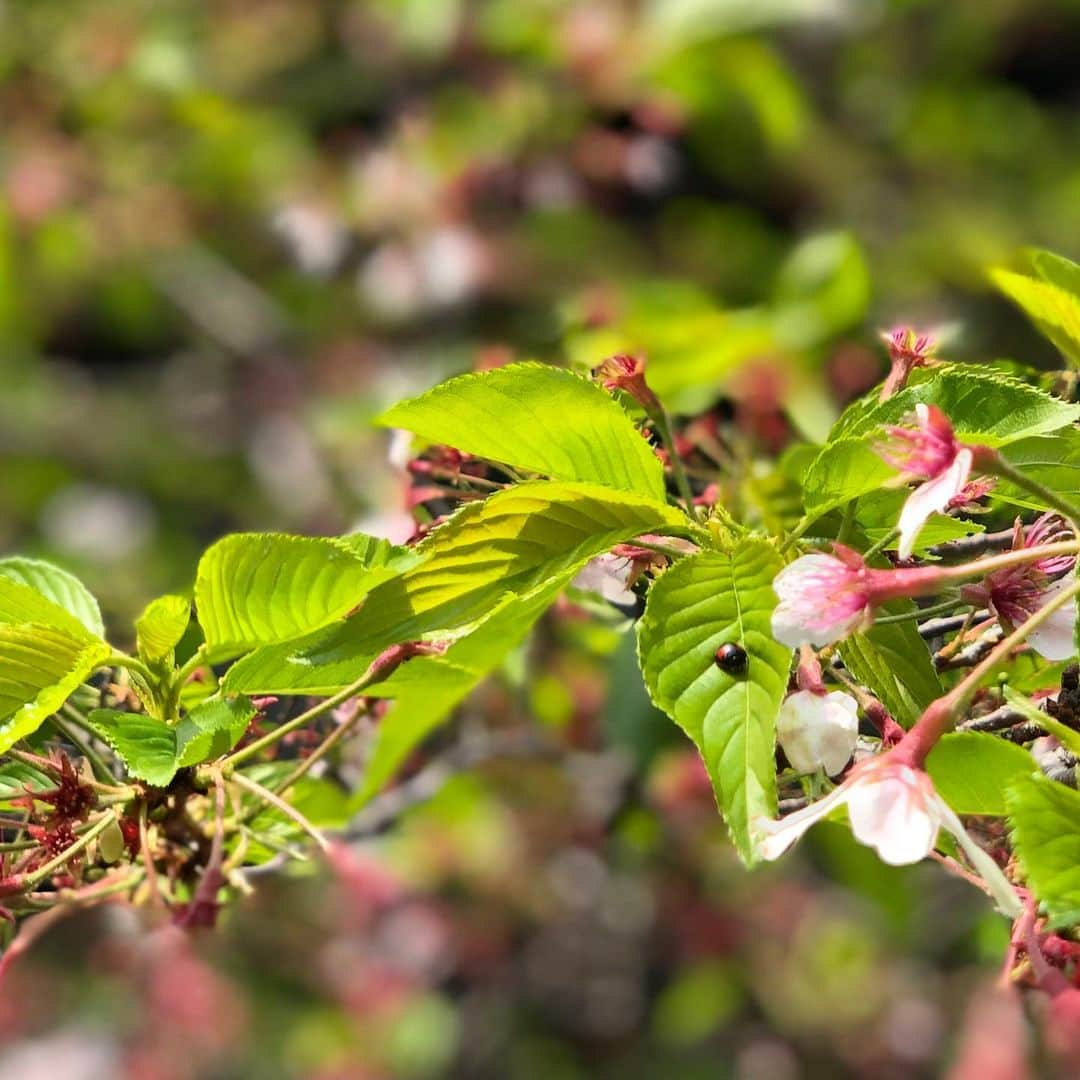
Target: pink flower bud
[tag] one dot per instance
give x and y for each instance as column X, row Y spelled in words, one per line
column 627, row 373
column 818, row 731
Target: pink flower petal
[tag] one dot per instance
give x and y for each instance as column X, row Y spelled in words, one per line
column 932, row 497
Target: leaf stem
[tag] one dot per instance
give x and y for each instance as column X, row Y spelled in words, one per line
column 663, row 427
column 280, row 804
column 373, row 674
column 132, row 663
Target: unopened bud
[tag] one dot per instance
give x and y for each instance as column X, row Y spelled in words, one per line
column 818, row 731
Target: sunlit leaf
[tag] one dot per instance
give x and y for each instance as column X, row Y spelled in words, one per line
column 701, row 603
column 540, row 418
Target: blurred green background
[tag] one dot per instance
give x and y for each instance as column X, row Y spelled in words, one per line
column 231, row 232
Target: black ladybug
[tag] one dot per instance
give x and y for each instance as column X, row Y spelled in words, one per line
column 731, row 658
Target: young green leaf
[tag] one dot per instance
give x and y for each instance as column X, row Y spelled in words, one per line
column 514, row 543
column 62, row 588
column 161, row 626
column 17, row 777
column 894, row 660
column 1044, row 817
column 21, row 604
column 701, row 603
column 1057, row 270
column 40, row 667
column 536, row 417
column 253, row 589
column 1053, row 310
column 212, row 729
column 146, row 744
column 972, row 771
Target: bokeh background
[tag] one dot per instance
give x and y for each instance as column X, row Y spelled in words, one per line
column 232, row 231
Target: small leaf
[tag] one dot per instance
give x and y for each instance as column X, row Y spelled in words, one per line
column 971, row 771
column 536, row 417
column 62, row 588
column 16, row 777
column 257, row 588
column 1055, row 312
column 894, row 661
column 40, row 667
column 146, row 744
column 1045, row 820
column 702, row 602
column 161, row 626
column 212, row 729
column 1057, row 270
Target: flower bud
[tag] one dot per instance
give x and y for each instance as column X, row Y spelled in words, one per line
column 818, row 731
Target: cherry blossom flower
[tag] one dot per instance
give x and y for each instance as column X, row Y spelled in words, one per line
column 928, row 452
column 823, row 598
column 818, row 730
column 894, row 809
column 1015, row 593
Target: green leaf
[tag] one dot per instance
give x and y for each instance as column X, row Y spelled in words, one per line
column 63, row 589
column 1045, row 821
column 1052, row 460
column 1057, row 270
column 877, row 512
column 894, row 661
column 212, row 729
column 971, row 771
column 984, row 406
column 702, row 602
column 513, row 544
column 22, row 604
column 146, row 744
column 161, row 626
column 822, row 289
column 16, row 777
column 257, row 588
column 536, row 417
column 427, row 690
column 1053, row 310
column 40, row 667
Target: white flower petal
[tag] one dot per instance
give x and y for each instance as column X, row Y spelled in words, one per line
column 891, row 813
column 818, row 731
column 774, row 837
column 931, row 497
column 1054, row 638
column 607, row 575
